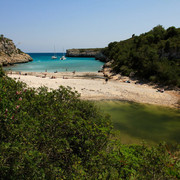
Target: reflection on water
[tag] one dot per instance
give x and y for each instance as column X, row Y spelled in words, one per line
column 137, row 122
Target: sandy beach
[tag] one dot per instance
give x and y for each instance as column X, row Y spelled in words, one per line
column 92, row 86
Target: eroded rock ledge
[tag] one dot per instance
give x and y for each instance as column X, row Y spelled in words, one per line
column 92, row 52
column 9, row 54
column 83, row 52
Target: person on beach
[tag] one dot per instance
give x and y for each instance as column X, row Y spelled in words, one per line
column 160, row 90
column 74, row 72
column 65, row 77
column 106, row 80
column 44, row 76
column 53, row 77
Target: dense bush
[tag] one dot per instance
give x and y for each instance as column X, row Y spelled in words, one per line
column 135, row 162
column 47, row 133
column 152, row 55
column 55, row 135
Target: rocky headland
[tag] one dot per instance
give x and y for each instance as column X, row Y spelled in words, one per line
column 10, row 54
column 91, row 52
column 83, row 52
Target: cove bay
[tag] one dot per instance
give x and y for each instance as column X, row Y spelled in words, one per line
column 42, row 62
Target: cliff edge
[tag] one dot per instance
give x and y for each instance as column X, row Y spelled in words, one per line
column 83, row 52
column 9, row 54
column 92, row 52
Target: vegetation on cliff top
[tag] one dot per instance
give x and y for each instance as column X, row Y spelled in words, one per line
column 2, row 38
column 86, row 49
column 55, row 135
column 154, row 55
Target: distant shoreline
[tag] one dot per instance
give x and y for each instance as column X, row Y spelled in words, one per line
column 92, row 86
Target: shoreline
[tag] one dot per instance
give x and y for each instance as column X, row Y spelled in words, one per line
column 92, row 86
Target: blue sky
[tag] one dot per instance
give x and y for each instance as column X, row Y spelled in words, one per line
column 38, row 25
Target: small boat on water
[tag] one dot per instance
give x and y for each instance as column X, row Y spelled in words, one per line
column 54, row 57
column 63, row 57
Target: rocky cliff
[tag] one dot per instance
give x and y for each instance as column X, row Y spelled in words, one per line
column 9, row 54
column 101, row 57
column 83, row 52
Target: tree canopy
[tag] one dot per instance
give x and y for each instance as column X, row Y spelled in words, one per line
column 154, row 55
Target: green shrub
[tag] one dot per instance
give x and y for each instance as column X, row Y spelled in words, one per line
column 47, row 133
column 1, row 72
column 152, row 78
column 55, row 135
column 135, row 162
column 146, row 53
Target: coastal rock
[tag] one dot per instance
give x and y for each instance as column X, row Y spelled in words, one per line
column 108, row 64
column 82, row 52
column 93, row 52
column 9, row 54
column 101, row 57
column 108, row 72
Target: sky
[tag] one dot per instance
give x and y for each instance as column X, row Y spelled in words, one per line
column 39, row 25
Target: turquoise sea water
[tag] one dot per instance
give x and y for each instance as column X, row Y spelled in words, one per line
column 43, row 61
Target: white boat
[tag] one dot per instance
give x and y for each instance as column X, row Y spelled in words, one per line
column 63, row 57
column 54, row 57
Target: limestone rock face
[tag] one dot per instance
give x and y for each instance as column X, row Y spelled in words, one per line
column 9, row 54
column 107, row 70
column 93, row 52
column 82, row 52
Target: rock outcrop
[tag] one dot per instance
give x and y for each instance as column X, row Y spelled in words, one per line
column 101, row 57
column 82, row 52
column 94, row 52
column 9, row 54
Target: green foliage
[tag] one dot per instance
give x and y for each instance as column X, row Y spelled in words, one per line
column 152, row 55
column 47, row 132
column 55, row 135
column 171, row 32
column 90, row 49
column 134, row 162
column 1, row 72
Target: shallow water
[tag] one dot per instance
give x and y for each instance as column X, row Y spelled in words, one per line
column 43, row 61
column 135, row 122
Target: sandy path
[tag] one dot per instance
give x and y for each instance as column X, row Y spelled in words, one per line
column 97, row 89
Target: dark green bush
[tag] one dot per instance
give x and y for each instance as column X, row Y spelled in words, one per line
column 55, row 135
column 147, row 54
column 47, row 133
column 135, row 162
column 1, row 72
